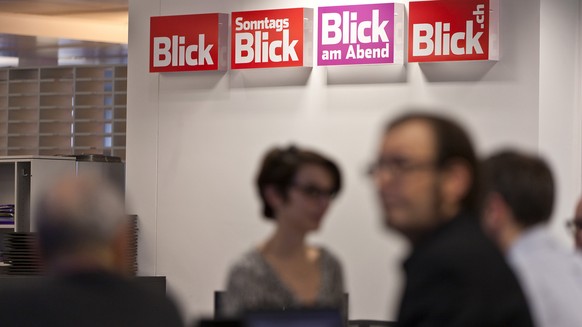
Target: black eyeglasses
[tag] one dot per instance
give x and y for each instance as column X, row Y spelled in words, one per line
column 314, row 191
column 397, row 166
column 574, row 225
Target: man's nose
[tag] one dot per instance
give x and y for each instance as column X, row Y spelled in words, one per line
column 383, row 178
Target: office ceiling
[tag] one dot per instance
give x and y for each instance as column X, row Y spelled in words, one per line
column 40, row 50
column 61, row 7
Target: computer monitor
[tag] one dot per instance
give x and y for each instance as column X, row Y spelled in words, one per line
column 218, row 323
column 294, row 318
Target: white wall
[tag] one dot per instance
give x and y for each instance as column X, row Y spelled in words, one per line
column 194, row 141
column 560, row 138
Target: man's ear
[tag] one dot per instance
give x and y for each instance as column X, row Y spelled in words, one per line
column 273, row 197
column 121, row 250
column 456, row 182
column 494, row 213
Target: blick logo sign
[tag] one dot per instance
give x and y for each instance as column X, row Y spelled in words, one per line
column 450, row 30
column 360, row 34
column 188, row 43
column 272, row 38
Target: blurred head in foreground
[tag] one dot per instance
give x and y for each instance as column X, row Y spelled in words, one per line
column 82, row 225
column 425, row 174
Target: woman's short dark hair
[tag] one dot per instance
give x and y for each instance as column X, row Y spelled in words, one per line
column 279, row 167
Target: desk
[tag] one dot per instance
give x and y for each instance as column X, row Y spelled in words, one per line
column 156, row 284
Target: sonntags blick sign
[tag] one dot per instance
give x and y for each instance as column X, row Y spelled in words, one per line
column 272, row 38
column 188, row 43
column 360, row 34
column 451, row 30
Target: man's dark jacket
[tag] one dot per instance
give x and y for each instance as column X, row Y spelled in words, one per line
column 456, row 277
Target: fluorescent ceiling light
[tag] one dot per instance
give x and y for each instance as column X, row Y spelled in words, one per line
column 8, row 61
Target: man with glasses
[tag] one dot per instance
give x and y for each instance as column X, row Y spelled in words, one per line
column 519, row 201
column 575, row 225
column 427, row 180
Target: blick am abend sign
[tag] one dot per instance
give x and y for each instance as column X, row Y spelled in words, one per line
column 360, row 34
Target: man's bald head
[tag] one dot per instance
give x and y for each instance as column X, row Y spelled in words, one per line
column 79, row 214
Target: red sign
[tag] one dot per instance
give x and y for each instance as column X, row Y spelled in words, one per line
column 271, row 38
column 188, row 43
column 450, row 30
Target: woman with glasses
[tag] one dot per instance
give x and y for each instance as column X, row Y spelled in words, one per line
column 296, row 187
